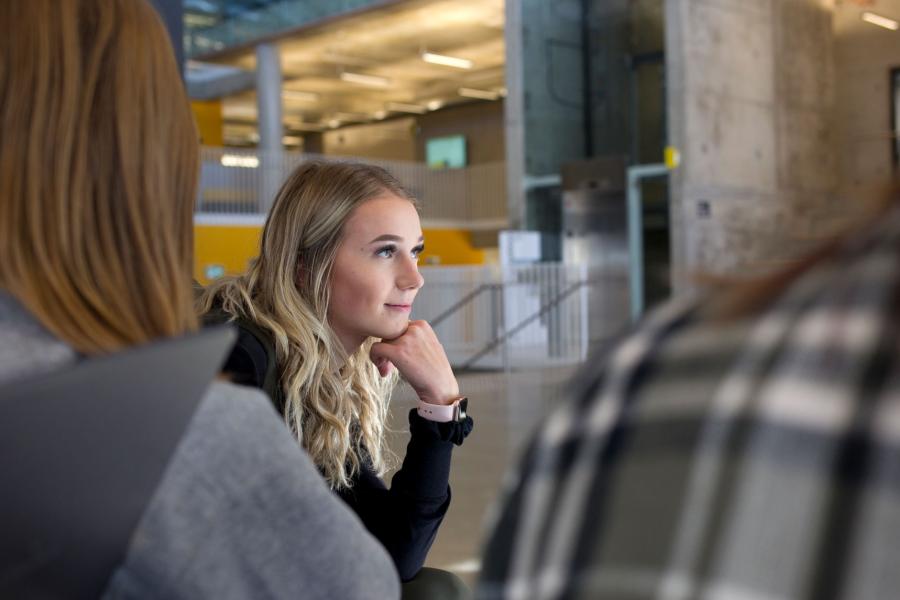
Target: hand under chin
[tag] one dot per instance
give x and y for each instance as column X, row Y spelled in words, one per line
column 393, row 333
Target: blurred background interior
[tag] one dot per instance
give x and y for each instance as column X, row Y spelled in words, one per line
column 576, row 161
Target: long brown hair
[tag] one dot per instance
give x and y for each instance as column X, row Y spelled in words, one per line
column 98, row 169
column 337, row 413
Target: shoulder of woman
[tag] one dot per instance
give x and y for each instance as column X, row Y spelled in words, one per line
column 235, row 408
column 238, row 470
column 236, row 432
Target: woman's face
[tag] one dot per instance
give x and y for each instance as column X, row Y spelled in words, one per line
column 376, row 275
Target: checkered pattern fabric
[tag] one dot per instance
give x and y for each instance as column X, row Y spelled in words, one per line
column 751, row 459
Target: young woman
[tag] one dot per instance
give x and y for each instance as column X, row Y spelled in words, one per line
column 328, row 301
column 98, row 169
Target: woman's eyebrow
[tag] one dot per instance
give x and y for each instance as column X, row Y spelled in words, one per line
column 387, row 237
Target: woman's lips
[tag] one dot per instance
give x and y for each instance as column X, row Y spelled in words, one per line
column 400, row 307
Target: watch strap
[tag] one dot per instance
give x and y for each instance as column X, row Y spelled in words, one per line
column 443, row 413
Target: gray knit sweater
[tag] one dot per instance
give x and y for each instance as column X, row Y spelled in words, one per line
column 241, row 512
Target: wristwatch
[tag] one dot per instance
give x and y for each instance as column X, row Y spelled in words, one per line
column 444, row 413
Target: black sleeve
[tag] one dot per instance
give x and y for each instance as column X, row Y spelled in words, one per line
column 246, row 364
column 406, row 517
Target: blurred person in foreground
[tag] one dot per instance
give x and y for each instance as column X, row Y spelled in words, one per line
column 745, row 446
column 98, row 171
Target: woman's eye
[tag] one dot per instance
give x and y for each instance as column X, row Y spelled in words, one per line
column 386, row 252
column 417, row 251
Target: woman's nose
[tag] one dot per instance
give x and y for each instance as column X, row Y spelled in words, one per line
column 409, row 276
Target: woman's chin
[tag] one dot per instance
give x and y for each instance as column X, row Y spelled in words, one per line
column 390, row 333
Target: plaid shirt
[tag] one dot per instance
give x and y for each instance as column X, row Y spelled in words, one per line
column 754, row 459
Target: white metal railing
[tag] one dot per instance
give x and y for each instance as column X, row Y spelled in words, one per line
column 508, row 317
column 242, row 182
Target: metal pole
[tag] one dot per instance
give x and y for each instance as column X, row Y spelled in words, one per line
column 636, row 233
column 514, row 114
column 268, row 103
column 268, row 96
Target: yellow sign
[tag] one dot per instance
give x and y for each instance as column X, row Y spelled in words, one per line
column 672, row 158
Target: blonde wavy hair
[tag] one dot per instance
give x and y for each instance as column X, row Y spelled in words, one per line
column 336, row 405
column 98, row 168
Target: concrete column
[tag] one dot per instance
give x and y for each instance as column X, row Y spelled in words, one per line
column 751, row 96
column 514, row 114
column 268, row 103
column 268, row 96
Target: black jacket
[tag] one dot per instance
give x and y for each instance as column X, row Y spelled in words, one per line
column 405, row 517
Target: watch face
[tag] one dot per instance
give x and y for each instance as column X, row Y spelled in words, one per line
column 463, row 405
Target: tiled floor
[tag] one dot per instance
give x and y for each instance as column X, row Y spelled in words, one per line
column 506, row 408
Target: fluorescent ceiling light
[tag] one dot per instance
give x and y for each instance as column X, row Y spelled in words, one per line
column 237, row 160
column 874, row 19
column 480, row 94
column 363, row 79
column 298, row 95
column 449, row 61
column 435, row 104
column 408, row 108
column 197, row 20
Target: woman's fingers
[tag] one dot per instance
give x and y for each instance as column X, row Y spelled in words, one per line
column 421, row 360
column 384, row 366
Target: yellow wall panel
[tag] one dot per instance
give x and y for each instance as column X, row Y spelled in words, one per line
column 208, row 114
column 227, row 249
column 224, row 249
column 450, row 247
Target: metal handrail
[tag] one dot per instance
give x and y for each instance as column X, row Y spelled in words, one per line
column 459, row 304
column 524, row 323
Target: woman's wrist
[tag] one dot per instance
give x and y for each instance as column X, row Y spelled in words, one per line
column 444, row 413
column 446, row 396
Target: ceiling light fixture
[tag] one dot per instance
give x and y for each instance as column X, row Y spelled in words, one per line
column 407, row 108
column 435, row 104
column 298, row 95
column 363, row 79
column 448, row 61
column 870, row 17
column 195, row 20
column 480, row 94
column 380, row 114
